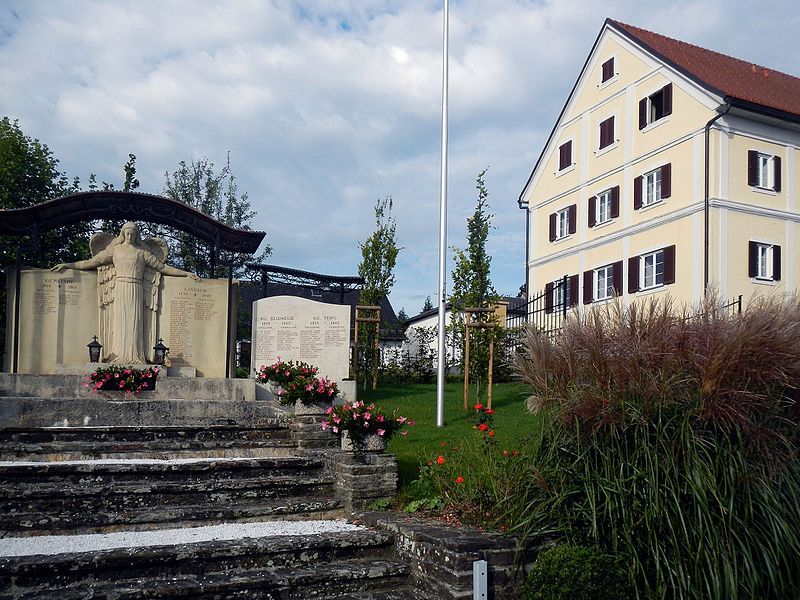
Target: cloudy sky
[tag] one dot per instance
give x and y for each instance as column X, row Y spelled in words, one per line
column 327, row 105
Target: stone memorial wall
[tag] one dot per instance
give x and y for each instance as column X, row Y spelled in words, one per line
column 59, row 316
column 299, row 329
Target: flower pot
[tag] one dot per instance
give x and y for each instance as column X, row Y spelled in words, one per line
column 315, row 407
column 112, row 385
column 372, row 443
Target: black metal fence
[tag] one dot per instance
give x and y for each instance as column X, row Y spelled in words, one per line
column 548, row 309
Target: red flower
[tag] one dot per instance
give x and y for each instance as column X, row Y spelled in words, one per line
column 489, row 411
column 483, row 427
column 440, row 460
column 443, row 443
column 478, row 406
column 491, row 433
column 505, row 452
column 459, row 480
column 516, row 452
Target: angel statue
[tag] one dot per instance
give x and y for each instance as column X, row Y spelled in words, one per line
column 128, row 276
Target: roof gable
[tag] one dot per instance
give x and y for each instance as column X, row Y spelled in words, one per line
column 720, row 73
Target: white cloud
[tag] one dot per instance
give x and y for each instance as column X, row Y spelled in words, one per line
column 327, row 105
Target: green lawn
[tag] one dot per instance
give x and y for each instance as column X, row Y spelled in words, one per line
column 418, row 402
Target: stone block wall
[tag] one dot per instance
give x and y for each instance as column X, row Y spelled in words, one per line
column 441, row 556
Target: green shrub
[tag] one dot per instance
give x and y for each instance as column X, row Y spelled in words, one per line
column 672, row 438
column 576, row 573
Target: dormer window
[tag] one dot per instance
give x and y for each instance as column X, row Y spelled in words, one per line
column 655, row 107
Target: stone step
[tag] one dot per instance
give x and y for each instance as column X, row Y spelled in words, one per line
column 88, row 495
column 354, row 563
column 151, row 518
column 75, row 443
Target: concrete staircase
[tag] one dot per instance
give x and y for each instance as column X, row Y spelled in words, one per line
column 77, row 504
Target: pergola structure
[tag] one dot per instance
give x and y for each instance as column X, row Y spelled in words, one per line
column 33, row 221
column 306, row 279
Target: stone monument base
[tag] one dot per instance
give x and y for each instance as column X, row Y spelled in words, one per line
column 347, row 391
column 168, row 388
column 85, row 369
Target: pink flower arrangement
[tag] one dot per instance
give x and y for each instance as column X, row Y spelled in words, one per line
column 361, row 420
column 126, row 379
column 297, row 381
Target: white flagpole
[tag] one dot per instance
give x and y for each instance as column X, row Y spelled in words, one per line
column 443, row 227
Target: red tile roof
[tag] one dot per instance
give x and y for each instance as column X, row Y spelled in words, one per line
column 724, row 74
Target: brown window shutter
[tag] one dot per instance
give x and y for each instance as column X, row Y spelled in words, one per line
column 776, row 263
column 592, row 211
column 572, row 282
column 607, row 132
column 642, row 113
column 752, row 259
column 608, row 69
column 616, row 277
column 666, row 98
column 572, row 216
column 548, row 298
column 615, row 202
column 552, row 226
column 752, row 167
column 565, row 155
column 633, row 274
column 669, row 265
column 776, row 173
column 637, row 193
column 588, row 284
column 666, row 180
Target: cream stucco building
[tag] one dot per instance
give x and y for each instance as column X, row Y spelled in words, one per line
column 671, row 168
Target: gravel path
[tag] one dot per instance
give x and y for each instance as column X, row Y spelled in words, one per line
column 61, row 544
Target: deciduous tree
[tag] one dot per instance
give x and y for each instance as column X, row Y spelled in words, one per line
column 472, row 284
column 378, row 258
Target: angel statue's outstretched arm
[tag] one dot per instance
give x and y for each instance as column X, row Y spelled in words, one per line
column 99, row 259
column 175, row 272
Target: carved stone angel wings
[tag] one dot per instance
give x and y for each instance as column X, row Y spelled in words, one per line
column 106, row 276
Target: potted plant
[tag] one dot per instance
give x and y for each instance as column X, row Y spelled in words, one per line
column 297, row 383
column 117, row 378
column 362, row 427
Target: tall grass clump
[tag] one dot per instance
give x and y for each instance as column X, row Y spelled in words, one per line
column 670, row 438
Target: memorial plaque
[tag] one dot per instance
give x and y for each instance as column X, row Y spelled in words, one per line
column 59, row 316
column 303, row 330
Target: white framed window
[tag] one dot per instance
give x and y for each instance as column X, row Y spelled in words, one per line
column 603, row 207
column 655, row 107
column 562, row 223
column 764, row 171
column 651, row 191
column 561, row 294
column 651, row 267
column 765, row 261
column 604, row 282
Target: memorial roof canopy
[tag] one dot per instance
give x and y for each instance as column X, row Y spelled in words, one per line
column 131, row 206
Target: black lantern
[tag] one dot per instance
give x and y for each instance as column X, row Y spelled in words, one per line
column 94, row 349
column 160, row 352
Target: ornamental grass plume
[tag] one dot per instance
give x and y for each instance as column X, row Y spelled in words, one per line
column 667, row 430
